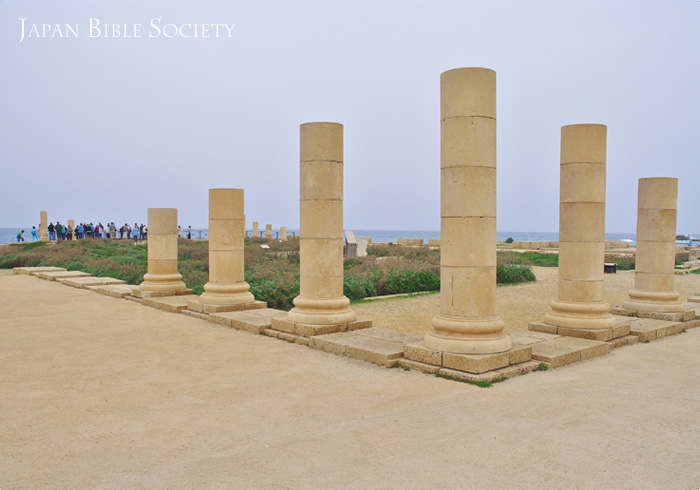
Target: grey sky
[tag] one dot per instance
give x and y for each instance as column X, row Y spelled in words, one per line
column 101, row 129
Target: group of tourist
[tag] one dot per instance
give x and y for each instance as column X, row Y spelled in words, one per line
column 58, row 232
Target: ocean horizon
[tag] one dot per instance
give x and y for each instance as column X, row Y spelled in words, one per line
column 9, row 235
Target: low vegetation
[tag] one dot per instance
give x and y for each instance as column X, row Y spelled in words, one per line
column 273, row 274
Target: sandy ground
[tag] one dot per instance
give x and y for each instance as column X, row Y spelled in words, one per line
column 102, row 393
column 516, row 305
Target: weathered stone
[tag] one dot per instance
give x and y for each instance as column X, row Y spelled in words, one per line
column 52, row 276
column 162, row 275
column 470, row 377
column 389, row 335
column 475, row 363
column 567, row 350
column 32, row 270
column 648, row 329
column 84, row 282
column 417, row 351
column 418, row 366
column 623, row 341
column 519, row 353
column 172, row 304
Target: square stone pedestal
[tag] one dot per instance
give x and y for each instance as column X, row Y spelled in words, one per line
column 621, row 329
column 199, row 307
column 648, row 329
column 173, row 304
column 568, row 350
column 450, row 363
column 306, row 330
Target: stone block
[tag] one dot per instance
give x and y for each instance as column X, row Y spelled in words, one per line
column 509, row 372
column 195, row 305
column 470, row 377
column 680, row 316
column 475, row 363
column 83, row 282
column 254, row 305
column 542, row 327
column 418, row 366
column 201, row 316
column 359, row 325
column 694, row 299
column 116, row 290
column 529, row 337
column 306, row 330
column 53, row 275
column 242, row 320
column 282, row 325
column 417, row 351
column 32, row 270
column 519, row 353
column 567, row 350
column 172, row 304
column 269, row 312
column 134, row 299
column 618, row 310
column 623, row 341
column 529, row 366
column 389, row 335
column 373, row 350
column 288, row 337
column 333, row 343
column 648, row 329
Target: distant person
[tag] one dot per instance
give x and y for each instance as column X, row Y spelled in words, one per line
column 64, row 232
column 57, row 230
column 135, row 233
column 112, row 230
column 20, row 236
column 51, row 229
column 69, row 233
column 189, row 232
column 179, row 231
column 35, row 234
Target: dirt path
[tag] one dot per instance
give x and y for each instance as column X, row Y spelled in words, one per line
column 516, row 305
column 103, row 393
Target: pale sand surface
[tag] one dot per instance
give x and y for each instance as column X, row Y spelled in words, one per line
column 516, row 305
column 102, row 393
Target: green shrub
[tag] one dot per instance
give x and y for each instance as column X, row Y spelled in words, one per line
column 512, row 274
column 33, row 245
column 509, row 240
column 624, row 263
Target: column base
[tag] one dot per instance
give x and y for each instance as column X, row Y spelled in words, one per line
column 162, row 283
column 335, row 311
column 472, row 336
column 580, row 315
column 654, row 302
column 226, row 294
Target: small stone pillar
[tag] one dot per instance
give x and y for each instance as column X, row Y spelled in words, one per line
column 467, row 322
column 226, row 284
column 44, row 225
column 268, row 231
column 162, row 273
column 71, row 224
column 580, row 302
column 321, row 300
column 283, row 233
column 656, row 248
column 256, row 231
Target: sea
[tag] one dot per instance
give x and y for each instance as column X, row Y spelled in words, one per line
column 9, row 235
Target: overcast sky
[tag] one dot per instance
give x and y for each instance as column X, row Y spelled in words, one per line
column 100, row 129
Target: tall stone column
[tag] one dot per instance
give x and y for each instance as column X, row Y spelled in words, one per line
column 226, row 284
column 467, row 322
column 268, row 231
column 44, row 225
column 162, row 273
column 256, row 231
column 656, row 248
column 580, row 302
column 283, row 233
column 321, row 300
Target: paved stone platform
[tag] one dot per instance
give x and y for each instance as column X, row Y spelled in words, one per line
column 161, row 294
column 84, row 282
column 53, row 275
column 173, row 304
column 32, row 270
column 568, row 350
column 621, row 329
column 255, row 321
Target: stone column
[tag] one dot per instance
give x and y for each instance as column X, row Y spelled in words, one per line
column 226, row 284
column 256, row 231
column 580, row 302
column 268, row 231
column 44, row 222
column 321, row 300
column 162, row 273
column 656, row 248
column 283, row 233
column 467, row 322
